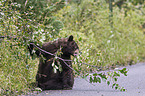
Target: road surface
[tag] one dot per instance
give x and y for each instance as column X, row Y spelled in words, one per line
column 134, row 83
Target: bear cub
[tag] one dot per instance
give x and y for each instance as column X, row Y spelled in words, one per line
column 46, row 77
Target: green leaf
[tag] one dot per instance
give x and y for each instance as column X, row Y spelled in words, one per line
column 117, row 84
column 108, row 82
column 116, row 87
column 123, row 71
column 91, row 79
column 124, row 89
column 103, row 76
column 98, row 80
column 113, row 85
column 115, row 79
column 95, row 74
column 80, row 39
column 116, row 74
column 95, row 80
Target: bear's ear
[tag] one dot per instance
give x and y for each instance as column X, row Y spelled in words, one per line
column 70, row 38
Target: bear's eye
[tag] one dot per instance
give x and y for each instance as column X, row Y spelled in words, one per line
column 72, row 43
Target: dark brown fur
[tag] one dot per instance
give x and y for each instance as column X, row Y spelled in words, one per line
column 46, row 77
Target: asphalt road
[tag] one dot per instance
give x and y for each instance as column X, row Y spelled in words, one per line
column 134, row 83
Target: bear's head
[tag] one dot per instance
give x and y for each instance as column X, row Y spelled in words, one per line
column 71, row 47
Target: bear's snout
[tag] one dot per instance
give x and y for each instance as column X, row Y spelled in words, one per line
column 76, row 52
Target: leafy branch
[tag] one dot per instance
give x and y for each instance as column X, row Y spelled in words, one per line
column 109, row 77
column 95, row 77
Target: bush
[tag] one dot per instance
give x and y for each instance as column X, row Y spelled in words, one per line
column 17, row 69
column 23, row 22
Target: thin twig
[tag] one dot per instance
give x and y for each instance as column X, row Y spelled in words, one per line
column 48, row 52
column 60, row 59
column 25, row 3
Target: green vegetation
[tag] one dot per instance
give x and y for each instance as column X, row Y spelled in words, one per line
column 120, row 45
column 101, row 46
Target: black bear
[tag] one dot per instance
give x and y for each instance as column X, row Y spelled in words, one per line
column 60, row 79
